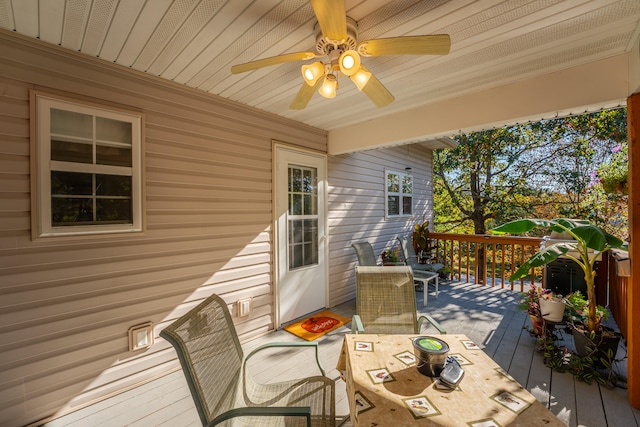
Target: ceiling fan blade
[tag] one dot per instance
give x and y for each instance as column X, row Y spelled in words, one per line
column 280, row 59
column 438, row 44
column 304, row 95
column 332, row 17
column 376, row 91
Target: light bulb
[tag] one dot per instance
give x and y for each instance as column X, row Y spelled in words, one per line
column 312, row 72
column 349, row 62
column 329, row 87
column 361, row 78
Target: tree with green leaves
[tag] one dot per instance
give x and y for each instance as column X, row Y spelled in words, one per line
column 542, row 169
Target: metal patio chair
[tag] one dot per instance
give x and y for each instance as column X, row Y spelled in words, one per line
column 386, row 302
column 364, row 252
column 422, row 272
column 224, row 392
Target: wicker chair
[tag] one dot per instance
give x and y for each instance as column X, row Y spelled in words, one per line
column 364, row 252
column 386, row 302
column 221, row 385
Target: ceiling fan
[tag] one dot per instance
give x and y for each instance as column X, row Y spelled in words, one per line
column 336, row 39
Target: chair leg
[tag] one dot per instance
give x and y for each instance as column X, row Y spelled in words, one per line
column 425, row 283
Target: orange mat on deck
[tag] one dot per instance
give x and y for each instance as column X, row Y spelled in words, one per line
column 317, row 325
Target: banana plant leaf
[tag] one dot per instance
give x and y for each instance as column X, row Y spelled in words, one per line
column 585, row 235
column 597, row 239
column 543, row 257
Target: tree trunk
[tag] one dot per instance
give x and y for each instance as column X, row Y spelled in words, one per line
column 481, row 265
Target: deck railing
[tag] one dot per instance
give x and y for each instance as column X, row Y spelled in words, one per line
column 618, row 294
column 487, row 259
column 490, row 260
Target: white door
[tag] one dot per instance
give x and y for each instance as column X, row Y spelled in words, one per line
column 301, row 240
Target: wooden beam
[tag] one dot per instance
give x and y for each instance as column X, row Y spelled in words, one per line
column 633, row 311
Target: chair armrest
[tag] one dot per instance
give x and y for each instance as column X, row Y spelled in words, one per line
column 356, row 325
column 275, row 411
column 431, row 320
column 287, row 344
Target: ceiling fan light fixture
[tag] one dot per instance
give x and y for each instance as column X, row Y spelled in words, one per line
column 349, row 62
column 312, row 72
column 329, row 87
column 360, row 78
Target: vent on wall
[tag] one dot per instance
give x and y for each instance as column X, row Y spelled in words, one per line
column 245, row 306
column 141, row 336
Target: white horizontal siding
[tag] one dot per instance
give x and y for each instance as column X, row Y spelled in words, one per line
column 356, row 207
column 66, row 303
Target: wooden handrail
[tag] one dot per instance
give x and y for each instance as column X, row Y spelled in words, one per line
column 486, row 259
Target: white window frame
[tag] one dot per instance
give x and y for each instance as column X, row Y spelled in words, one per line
column 43, row 165
column 400, row 194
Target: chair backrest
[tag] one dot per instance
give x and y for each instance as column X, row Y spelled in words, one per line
column 408, row 252
column 210, row 354
column 365, row 254
column 386, row 300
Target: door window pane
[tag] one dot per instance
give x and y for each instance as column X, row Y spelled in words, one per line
column 303, row 216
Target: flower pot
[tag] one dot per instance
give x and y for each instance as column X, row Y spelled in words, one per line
column 552, row 311
column 540, row 328
column 431, row 354
column 603, row 342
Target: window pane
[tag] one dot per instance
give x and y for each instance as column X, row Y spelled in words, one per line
column 295, row 256
column 71, row 211
column 114, row 211
column 71, row 183
column 310, row 230
column 393, row 205
column 296, row 231
column 296, row 180
column 113, row 156
column 113, row 185
column 296, row 208
column 407, row 185
column 71, row 124
column 407, row 203
column 310, row 254
column 113, row 130
column 393, row 183
column 308, row 205
column 303, row 243
column 309, row 181
column 68, row 151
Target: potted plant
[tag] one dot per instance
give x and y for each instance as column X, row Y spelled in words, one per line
column 420, row 239
column 535, row 302
column 445, row 272
column 588, row 243
column 530, row 302
column 552, row 306
column 390, row 257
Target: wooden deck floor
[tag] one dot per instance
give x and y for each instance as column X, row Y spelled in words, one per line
column 486, row 315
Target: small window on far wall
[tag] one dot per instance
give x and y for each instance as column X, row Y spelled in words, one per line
column 399, row 194
column 88, row 169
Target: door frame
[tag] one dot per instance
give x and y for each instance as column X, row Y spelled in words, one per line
column 277, row 147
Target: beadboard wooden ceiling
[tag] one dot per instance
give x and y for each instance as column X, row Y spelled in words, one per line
column 195, row 42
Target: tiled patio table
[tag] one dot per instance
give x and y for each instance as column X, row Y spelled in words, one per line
column 385, row 388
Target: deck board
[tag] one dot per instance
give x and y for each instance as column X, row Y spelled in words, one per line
column 486, row 315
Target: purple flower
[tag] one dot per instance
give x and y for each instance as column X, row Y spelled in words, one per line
column 616, row 148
